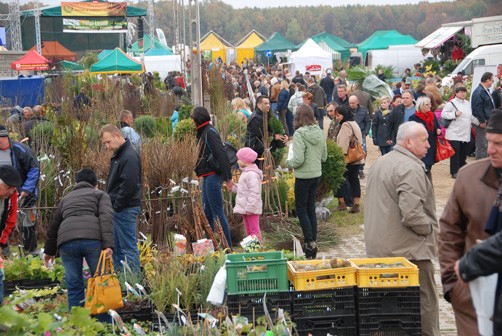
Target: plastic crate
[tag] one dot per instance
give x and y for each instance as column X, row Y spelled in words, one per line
column 397, row 325
column 388, row 301
column 406, row 276
column 320, row 279
column 322, row 326
column 336, row 302
column 246, row 305
column 250, row 273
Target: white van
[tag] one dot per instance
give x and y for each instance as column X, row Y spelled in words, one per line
column 399, row 57
column 485, row 55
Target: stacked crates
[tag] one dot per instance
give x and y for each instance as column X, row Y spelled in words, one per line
column 387, row 297
column 324, row 299
column 250, row 276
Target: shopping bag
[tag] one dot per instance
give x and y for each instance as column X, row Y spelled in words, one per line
column 103, row 289
column 443, row 149
column 483, row 298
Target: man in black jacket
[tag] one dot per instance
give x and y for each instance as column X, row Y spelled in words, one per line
column 482, row 105
column 319, row 99
column 125, row 188
column 399, row 115
column 362, row 118
column 254, row 128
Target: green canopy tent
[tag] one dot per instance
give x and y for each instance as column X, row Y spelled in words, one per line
column 70, row 66
column 276, row 43
column 143, row 45
column 117, row 62
column 382, row 39
column 335, row 43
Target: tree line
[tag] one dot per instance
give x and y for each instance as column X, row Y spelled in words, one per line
column 353, row 23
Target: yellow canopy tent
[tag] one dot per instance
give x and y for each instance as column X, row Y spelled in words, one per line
column 245, row 47
column 214, row 43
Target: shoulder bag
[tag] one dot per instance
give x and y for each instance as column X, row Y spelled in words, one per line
column 446, row 122
column 230, row 150
column 355, row 151
column 443, row 149
column 103, row 289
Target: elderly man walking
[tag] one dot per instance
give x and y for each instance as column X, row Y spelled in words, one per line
column 400, row 214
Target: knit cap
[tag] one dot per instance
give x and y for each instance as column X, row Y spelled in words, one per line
column 247, row 155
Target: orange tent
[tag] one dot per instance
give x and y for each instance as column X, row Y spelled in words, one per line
column 55, row 51
column 31, row 61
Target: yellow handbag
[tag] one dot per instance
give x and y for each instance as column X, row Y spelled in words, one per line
column 103, row 290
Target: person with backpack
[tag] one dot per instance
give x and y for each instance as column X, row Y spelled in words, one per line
column 213, row 167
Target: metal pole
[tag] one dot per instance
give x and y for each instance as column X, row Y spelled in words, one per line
column 197, row 95
column 38, row 37
column 184, row 42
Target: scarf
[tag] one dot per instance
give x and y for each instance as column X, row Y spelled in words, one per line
column 494, row 222
column 428, row 118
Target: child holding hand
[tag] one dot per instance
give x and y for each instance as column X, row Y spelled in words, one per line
column 248, row 201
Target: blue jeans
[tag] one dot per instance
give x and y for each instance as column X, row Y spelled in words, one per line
column 361, row 166
column 290, row 122
column 126, row 247
column 385, row 149
column 212, row 201
column 73, row 253
column 305, row 194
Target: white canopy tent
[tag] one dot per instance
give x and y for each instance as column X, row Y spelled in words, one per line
column 312, row 58
column 161, row 64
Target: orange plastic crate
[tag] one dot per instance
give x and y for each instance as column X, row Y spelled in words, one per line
column 385, row 277
column 320, row 279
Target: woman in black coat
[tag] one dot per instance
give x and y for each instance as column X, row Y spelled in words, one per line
column 426, row 117
column 212, row 176
column 380, row 126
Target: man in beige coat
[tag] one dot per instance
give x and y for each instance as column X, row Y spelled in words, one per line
column 400, row 214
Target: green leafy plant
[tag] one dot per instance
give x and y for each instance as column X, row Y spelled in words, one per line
column 184, row 128
column 146, row 126
column 184, row 112
column 333, row 170
column 32, row 268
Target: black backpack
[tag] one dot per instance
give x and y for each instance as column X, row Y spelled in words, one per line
column 229, row 149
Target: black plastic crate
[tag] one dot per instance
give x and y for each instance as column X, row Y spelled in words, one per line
column 244, row 304
column 322, row 325
column 384, row 301
column 11, row 286
column 331, row 302
column 143, row 313
column 390, row 325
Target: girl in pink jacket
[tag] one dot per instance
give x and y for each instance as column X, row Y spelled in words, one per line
column 248, row 200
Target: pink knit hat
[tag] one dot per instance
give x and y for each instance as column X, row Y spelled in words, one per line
column 247, row 155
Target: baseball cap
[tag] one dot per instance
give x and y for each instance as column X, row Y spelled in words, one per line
column 10, row 176
column 408, row 81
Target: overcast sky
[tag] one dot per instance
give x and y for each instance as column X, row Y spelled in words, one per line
column 283, row 3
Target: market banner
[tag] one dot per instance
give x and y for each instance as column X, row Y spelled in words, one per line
column 93, row 8
column 115, row 25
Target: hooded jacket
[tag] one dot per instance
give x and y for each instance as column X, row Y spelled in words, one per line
column 248, row 199
column 309, row 151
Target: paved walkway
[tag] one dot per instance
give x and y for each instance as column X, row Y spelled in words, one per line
column 353, row 247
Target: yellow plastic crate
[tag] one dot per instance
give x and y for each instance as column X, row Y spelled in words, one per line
column 320, row 279
column 385, row 277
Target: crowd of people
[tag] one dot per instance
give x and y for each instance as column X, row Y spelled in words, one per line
column 399, row 200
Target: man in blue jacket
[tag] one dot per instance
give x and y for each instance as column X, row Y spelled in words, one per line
column 125, row 187
column 482, row 105
column 21, row 157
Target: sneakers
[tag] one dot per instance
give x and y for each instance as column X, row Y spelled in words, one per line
column 355, row 209
column 341, row 208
